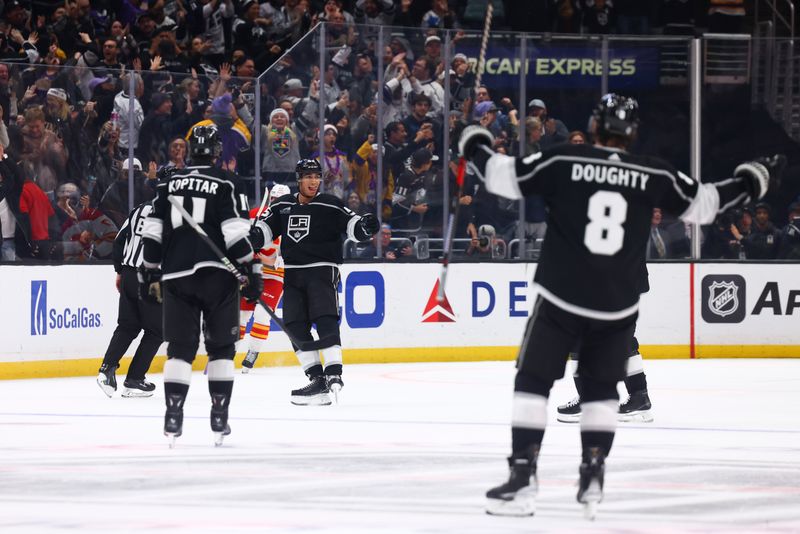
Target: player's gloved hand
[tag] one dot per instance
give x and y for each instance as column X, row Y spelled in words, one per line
column 472, row 137
column 761, row 174
column 256, row 237
column 369, row 224
column 251, row 290
column 149, row 284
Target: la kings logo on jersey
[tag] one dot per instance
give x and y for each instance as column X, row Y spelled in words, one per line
column 723, row 298
column 298, row 227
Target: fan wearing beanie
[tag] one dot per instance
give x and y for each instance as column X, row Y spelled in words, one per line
column 280, row 148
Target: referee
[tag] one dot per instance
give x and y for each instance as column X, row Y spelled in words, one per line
column 134, row 314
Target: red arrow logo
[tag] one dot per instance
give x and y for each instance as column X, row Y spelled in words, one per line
column 436, row 312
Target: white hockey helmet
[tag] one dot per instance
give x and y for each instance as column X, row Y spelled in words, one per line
column 277, row 191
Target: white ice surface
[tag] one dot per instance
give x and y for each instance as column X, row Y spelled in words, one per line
column 412, row 448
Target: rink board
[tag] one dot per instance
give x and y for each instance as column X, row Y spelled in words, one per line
column 57, row 321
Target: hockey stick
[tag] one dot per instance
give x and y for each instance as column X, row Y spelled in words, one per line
column 261, row 207
column 242, row 279
column 462, row 164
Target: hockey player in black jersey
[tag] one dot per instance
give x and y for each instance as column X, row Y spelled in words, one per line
column 199, row 294
column 135, row 315
column 312, row 225
column 601, row 199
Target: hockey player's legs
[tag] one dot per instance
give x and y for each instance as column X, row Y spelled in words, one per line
column 181, row 311
column 152, row 324
column 637, row 406
column 246, row 310
column 220, row 315
column 549, row 336
column 259, row 331
column 603, row 355
column 128, row 327
column 297, row 317
column 128, row 318
column 323, row 295
column 220, row 307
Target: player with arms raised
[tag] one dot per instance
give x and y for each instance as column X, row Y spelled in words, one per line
column 601, row 200
column 311, row 224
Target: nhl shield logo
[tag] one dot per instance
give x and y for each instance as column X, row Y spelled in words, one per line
column 723, row 298
column 298, row 227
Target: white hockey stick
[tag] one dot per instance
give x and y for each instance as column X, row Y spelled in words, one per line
column 452, row 219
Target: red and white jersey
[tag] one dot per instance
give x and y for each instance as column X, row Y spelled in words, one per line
column 270, row 251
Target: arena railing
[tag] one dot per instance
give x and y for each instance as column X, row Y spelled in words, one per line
column 702, row 125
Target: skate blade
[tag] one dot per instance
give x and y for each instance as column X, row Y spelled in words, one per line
column 108, row 390
column 132, row 393
column 336, row 391
column 171, row 438
column 590, row 499
column 522, row 505
column 218, row 438
column 569, row 418
column 322, row 399
column 245, row 370
column 590, row 510
column 643, row 416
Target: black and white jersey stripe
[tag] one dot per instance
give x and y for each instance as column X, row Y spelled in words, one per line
column 131, row 231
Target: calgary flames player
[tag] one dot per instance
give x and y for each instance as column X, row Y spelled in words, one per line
column 272, row 273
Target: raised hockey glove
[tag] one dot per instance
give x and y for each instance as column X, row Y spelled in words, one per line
column 149, row 284
column 472, row 137
column 369, row 224
column 251, row 290
column 761, row 174
column 256, row 237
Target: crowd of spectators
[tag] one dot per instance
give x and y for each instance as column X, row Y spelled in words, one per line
column 86, row 85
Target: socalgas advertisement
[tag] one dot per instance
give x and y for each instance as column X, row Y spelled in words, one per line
column 389, row 312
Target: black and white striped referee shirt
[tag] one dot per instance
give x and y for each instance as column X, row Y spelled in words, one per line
column 128, row 244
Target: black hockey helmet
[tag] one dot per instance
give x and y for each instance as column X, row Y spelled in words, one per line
column 617, row 115
column 204, row 141
column 308, row 166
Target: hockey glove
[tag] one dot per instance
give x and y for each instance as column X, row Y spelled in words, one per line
column 761, row 174
column 256, row 237
column 252, row 289
column 149, row 284
column 472, row 137
column 369, row 224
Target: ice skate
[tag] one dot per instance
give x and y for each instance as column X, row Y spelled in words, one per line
column 138, row 388
column 314, row 394
column 517, row 497
column 219, row 417
column 107, row 379
column 335, row 385
column 570, row 412
column 636, row 408
column 249, row 361
column 590, row 485
column 173, row 419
